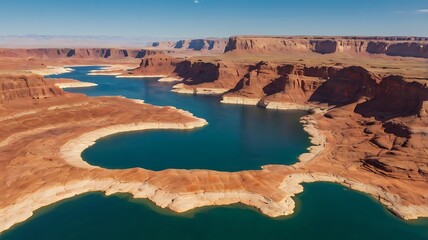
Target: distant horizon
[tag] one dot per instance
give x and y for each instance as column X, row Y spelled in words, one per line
column 202, row 37
column 103, row 41
column 192, row 19
column 206, row 37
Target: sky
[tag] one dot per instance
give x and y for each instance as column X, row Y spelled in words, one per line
column 214, row 18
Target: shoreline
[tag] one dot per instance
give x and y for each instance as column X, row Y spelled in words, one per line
column 391, row 201
column 71, row 151
column 170, row 79
column 110, row 70
column 141, row 76
column 52, row 70
column 240, row 100
column 180, row 89
column 177, row 202
column 75, row 85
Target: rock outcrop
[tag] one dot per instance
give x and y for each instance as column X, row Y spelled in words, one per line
column 368, row 130
column 23, row 87
column 214, row 46
column 395, row 97
column 83, row 53
column 156, row 64
column 391, row 46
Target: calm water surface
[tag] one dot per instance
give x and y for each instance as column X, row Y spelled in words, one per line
column 237, row 138
column 325, row 211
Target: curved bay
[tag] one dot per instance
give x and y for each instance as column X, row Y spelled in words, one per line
column 236, row 138
column 325, row 211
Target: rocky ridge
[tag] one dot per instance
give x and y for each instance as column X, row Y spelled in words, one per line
column 82, row 53
column 214, row 46
column 380, row 120
column 368, row 132
column 391, row 46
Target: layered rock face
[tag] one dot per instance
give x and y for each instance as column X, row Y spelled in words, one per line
column 203, row 45
column 300, row 84
column 47, row 53
column 388, row 114
column 380, row 154
column 220, row 74
column 15, row 88
column 296, row 83
column 405, row 47
column 395, row 97
column 204, row 73
column 156, row 64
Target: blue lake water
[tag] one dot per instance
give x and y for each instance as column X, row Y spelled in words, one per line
column 236, row 138
column 325, row 211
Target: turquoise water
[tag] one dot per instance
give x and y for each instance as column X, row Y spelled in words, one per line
column 325, row 211
column 237, row 137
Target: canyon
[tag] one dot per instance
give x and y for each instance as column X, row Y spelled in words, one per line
column 214, row 46
column 368, row 121
column 391, row 46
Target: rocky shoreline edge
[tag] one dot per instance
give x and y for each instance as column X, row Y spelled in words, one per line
column 181, row 202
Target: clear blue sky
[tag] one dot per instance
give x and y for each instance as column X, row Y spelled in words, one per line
column 213, row 18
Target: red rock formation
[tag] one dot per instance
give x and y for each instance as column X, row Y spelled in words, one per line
column 204, row 72
column 223, row 75
column 26, row 87
column 405, row 47
column 214, row 46
column 395, row 97
column 47, row 53
column 324, row 46
column 345, row 85
column 156, row 64
column 300, row 84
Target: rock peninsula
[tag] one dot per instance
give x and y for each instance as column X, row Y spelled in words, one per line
column 368, row 123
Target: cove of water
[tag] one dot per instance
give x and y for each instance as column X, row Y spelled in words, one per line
column 236, row 138
column 325, row 211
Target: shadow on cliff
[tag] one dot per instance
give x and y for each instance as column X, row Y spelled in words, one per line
column 387, row 98
column 344, row 86
column 198, row 72
column 395, row 98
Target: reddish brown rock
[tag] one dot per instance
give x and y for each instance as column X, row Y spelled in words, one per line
column 392, row 46
column 23, row 87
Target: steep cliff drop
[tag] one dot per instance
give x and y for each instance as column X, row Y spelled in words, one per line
column 391, row 46
column 210, row 46
column 368, row 126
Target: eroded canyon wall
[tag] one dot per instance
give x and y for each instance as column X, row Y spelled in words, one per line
column 215, row 46
column 83, row 53
column 391, row 46
column 26, row 87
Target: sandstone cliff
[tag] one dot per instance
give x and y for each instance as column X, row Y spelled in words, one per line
column 26, row 87
column 156, row 64
column 382, row 155
column 398, row 46
column 83, row 53
column 388, row 114
column 204, row 45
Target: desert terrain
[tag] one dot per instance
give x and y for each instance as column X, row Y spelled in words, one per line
column 366, row 97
